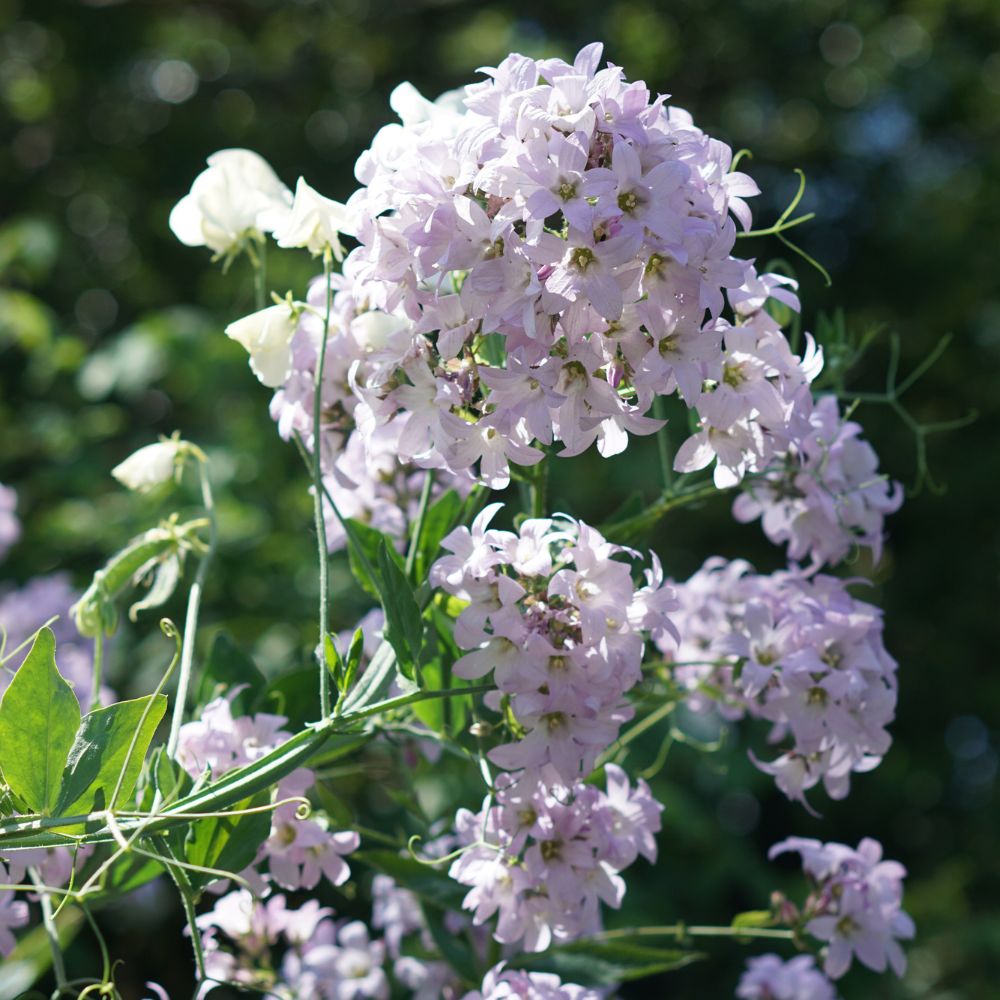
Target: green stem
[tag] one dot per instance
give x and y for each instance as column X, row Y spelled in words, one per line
column 324, row 555
column 193, row 609
column 186, row 892
column 51, row 931
column 624, row 531
column 540, row 488
column 663, row 443
column 637, row 730
column 95, row 689
column 681, row 931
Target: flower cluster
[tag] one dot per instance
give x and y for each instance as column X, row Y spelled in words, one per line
column 797, row 651
column 856, row 904
column 397, row 913
column 542, row 855
column 515, row 984
column 767, row 977
column 300, row 848
column 825, row 494
column 557, row 618
column 323, row 958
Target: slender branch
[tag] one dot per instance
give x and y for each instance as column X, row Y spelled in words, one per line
column 186, row 892
column 681, row 931
column 193, row 609
column 317, row 470
column 643, row 521
column 95, row 688
column 539, row 490
column 663, row 443
column 51, row 931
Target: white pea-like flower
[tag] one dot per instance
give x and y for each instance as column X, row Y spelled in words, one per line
column 314, row 222
column 267, row 337
column 150, row 466
column 238, row 194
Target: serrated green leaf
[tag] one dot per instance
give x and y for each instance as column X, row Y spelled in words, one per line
column 39, row 716
column 228, row 842
column 429, row 884
column 228, row 667
column 605, row 963
column 404, row 626
column 104, row 750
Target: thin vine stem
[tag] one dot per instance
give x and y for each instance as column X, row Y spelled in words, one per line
column 193, row 610
column 95, row 687
column 51, row 930
column 317, row 471
column 682, row 931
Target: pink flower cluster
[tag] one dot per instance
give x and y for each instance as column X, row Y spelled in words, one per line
column 565, row 210
column 556, row 616
column 797, row 651
column 323, row 958
column 515, row 984
column 396, row 912
column 856, row 903
column 538, row 261
column 825, row 495
column 769, row 978
column 299, row 849
column 542, row 855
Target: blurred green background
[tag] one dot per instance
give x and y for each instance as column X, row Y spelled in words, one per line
column 111, row 332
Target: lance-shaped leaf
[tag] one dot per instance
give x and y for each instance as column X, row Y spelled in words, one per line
column 108, row 753
column 39, row 716
column 404, row 627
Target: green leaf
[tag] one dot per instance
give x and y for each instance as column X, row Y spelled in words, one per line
column 228, row 667
column 292, row 695
column 354, row 655
column 363, row 546
column 441, row 517
column 605, row 963
column 431, row 885
column 404, row 627
column 228, row 842
column 39, row 716
column 104, row 751
column 753, row 918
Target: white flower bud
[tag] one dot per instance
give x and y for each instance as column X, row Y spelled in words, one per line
column 148, row 467
column 238, row 193
column 314, row 222
column 267, row 337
